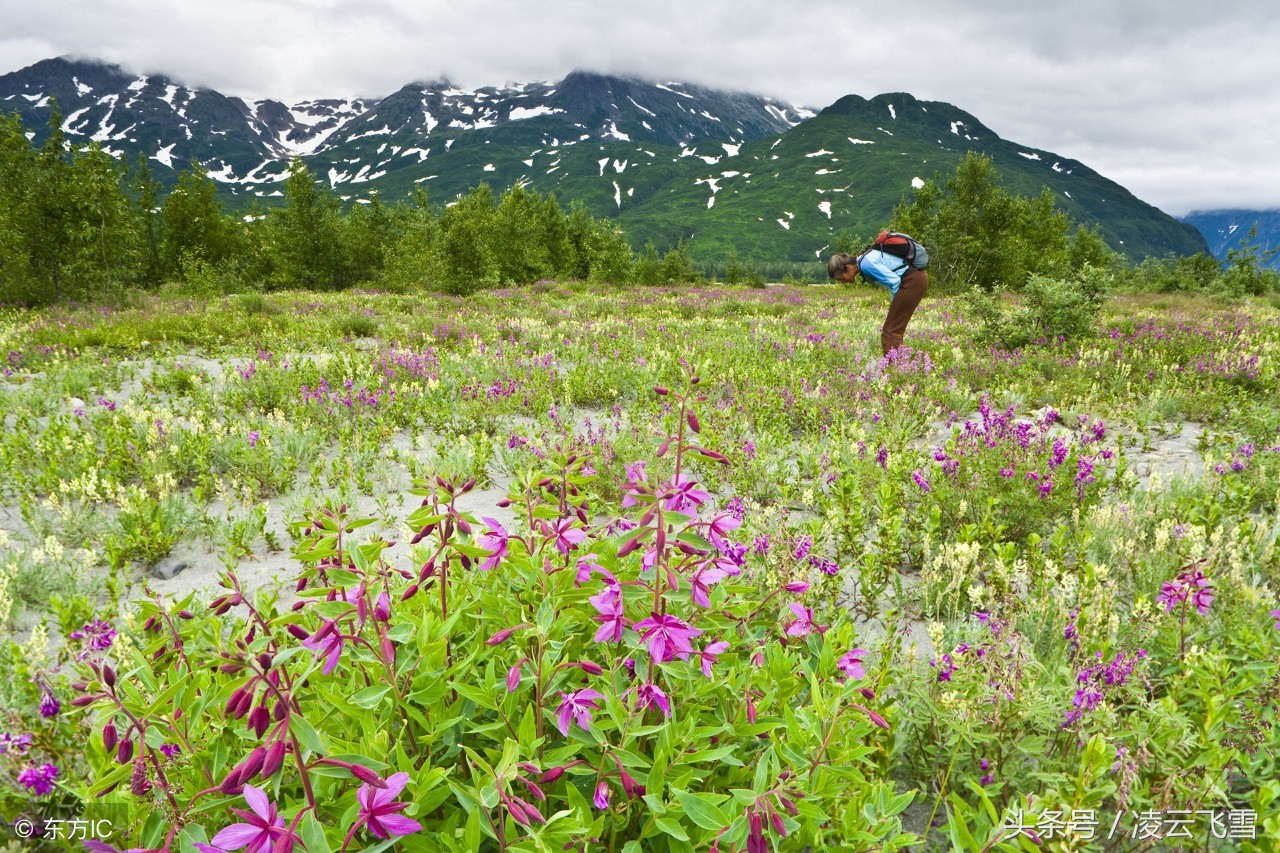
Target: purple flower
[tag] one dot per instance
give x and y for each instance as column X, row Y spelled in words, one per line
column 612, row 618
column 260, row 827
column 601, row 798
column 39, row 780
column 882, row 457
column 683, row 496
column 1190, row 585
column 11, row 744
column 379, row 811
column 749, row 450
column 254, row 435
column 326, row 642
column 920, row 480
column 49, row 704
column 567, row 536
column 850, row 664
column 97, row 635
column 711, row 654
column 720, row 526
column 1059, row 453
column 803, row 623
column 170, row 749
column 1045, row 488
column 707, row 575
column 1275, row 614
column 802, row 546
column 667, row 637
column 513, row 678
column 650, row 695
column 576, row 707
column 494, row 539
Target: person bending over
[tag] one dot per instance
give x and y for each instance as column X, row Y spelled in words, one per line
column 906, row 285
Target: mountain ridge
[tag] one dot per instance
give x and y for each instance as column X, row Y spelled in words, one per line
column 723, row 171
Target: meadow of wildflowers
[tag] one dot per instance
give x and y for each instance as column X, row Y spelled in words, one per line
column 641, row 569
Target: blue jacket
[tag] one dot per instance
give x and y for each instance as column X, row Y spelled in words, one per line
column 883, row 269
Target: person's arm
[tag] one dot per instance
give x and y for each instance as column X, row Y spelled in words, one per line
column 875, row 267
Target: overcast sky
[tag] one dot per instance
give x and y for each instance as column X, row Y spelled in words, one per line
column 1177, row 100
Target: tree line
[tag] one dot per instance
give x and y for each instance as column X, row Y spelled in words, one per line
column 76, row 223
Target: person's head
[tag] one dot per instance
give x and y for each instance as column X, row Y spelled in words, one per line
column 842, row 267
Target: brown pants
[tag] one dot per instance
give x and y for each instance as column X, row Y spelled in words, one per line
column 914, row 285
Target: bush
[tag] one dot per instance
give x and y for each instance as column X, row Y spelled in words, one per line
column 1050, row 309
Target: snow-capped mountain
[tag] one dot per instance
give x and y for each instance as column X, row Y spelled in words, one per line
column 668, row 161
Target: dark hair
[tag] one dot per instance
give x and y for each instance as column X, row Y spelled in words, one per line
column 838, row 263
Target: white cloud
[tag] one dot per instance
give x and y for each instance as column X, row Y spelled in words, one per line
column 1175, row 104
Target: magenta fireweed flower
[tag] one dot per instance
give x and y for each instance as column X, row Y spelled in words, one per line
column 612, row 616
column 379, row 811
column 684, row 497
column 720, row 526
column 667, row 637
column 382, row 609
column 576, row 707
column 650, row 695
column 637, row 484
column 586, row 566
column 803, row 623
column 601, row 798
column 494, row 540
column 326, row 642
column 711, row 654
column 567, row 536
column 260, row 829
column 39, row 780
column 1190, row 585
column 850, row 664
column 707, row 575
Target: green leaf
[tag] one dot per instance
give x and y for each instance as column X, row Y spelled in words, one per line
column 308, row 737
column 701, row 809
column 313, row 834
column 370, row 696
column 671, row 827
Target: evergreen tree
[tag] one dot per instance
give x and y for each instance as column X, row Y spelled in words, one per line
column 195, row 230
column 146, row 194
column 303, row 238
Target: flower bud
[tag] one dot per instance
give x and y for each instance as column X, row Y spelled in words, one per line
column 108, row 675
column 409, row 593
column 124, row 753
column 298, row 605
column 629, row 546
column 500, row 637
column 110, row 737
column 139, row 785
column 81, row 701
column 660, row 391
column 264, row 661
column 388, row 651
column 504, row 503
column 186, row 614
column 253, row 763
column 273, row 759
column 297, row 631
column 364, row 774
column 693, row 422
column 300, row 585
column 797, row 587
column 590, row 667
column 382, row 610
column 662, row 448
column 552, row 775
column 867, row 692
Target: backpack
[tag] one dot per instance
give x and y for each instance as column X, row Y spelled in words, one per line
column 902, row 246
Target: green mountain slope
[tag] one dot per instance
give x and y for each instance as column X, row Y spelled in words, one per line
column 727, row 172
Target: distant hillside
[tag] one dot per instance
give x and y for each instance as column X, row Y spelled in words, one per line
column 1227, row 229
column 726, row 171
